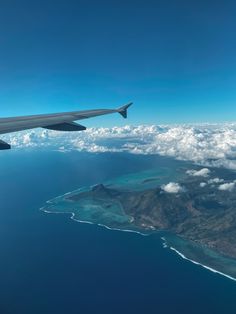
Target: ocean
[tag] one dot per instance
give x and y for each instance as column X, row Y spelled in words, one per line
column 52, row 264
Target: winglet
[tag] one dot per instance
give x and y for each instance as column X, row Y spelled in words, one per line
column 123, row 110
column 4, row 145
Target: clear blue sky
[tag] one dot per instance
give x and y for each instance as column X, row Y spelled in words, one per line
column 175, row 59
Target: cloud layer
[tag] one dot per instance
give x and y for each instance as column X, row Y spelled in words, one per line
column 210, row 145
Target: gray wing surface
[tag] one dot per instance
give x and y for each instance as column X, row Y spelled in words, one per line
column 58, row 121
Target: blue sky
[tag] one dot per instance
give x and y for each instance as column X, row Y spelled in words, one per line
column 175, row 59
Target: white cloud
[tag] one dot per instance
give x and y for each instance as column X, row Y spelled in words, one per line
column 215, row 180
column 204, row 172
column 172, row 187
column 227, row 186
column 209, row 145
column 202, row 184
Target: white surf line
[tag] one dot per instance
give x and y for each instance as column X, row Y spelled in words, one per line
column 92, row 223
column 196, row 263
column 140, row 233
column 109, row 228
column 52, row 200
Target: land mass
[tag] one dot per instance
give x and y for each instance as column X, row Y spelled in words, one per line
column 200, row 213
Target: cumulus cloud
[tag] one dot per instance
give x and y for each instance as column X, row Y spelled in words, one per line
column 204, row 172
column 227, row 186
column 209, row 145
column 202, row 184
column 172, row 187
column 215, row 180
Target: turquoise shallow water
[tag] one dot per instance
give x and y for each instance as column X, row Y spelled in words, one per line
column 91, row 211
column 112, row 215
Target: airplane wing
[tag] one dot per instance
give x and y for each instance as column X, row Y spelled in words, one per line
column 57, row 121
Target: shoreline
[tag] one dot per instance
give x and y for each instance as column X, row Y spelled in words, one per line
column 165, row 243
column 72, row 215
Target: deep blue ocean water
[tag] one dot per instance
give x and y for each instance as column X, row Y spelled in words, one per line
column 51, row 264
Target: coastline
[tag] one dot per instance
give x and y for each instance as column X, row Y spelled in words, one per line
column 165, row 243
column 215, row 261
column 72, row 216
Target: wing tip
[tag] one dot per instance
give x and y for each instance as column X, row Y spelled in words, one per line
column 123, row 110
